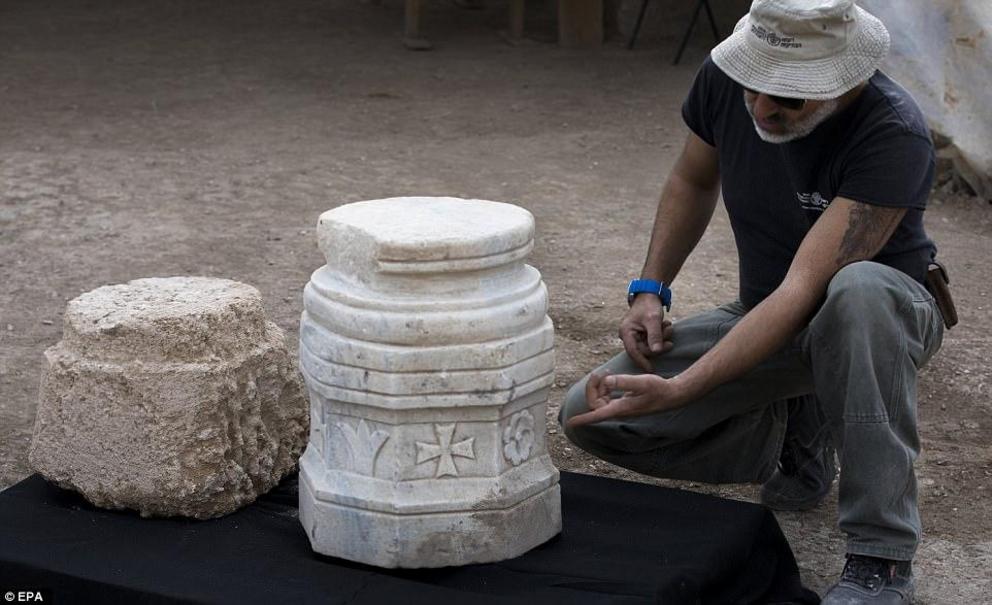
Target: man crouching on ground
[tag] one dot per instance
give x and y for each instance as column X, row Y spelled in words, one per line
column 825, row 165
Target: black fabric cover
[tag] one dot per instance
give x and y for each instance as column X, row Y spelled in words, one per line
column 622, row 542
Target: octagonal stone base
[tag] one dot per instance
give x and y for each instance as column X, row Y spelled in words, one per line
column 380, row 533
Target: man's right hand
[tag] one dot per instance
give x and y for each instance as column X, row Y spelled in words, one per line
column 644, row 330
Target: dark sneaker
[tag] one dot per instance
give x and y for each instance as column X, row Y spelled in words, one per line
column 872, row 580
column 803, row 478
column 806, row 467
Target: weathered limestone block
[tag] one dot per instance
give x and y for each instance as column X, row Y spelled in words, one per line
column 169, row 396
column 428, row 356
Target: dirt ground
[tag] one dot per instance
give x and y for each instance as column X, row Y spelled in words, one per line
column 170, row 138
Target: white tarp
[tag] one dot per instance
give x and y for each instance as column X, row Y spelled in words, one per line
column 942, row 52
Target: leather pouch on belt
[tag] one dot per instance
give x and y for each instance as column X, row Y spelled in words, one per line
column 938, row 285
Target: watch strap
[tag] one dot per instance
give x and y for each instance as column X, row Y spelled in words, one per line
column 659, row 289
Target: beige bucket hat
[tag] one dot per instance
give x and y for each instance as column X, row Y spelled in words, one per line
column 808, row 49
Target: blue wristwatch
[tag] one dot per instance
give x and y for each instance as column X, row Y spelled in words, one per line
column 659, row 289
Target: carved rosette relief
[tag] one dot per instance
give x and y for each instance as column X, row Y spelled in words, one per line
column 518, row 437
column 364, row 446
column 445, row 451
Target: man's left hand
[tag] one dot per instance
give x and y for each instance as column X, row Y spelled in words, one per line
column 642, row 394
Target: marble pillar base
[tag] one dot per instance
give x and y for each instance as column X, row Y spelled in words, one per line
column 412, row 531
column 428, row 357
column 169, row 396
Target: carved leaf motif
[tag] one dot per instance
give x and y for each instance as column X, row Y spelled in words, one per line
column 363, row 446
column 518, row 437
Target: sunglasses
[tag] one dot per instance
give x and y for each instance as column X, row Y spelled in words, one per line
column 785, row 102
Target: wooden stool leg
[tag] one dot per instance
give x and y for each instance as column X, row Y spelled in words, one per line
column 688, row 31
column 516, row 20
column 709, row 13
column 637, row 26
column 411, row 35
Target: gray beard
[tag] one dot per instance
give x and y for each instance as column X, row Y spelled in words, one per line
column 799, row 129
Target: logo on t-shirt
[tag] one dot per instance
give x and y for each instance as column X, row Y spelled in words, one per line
column 812, row 201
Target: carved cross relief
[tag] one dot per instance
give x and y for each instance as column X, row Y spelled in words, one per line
column 445, row 450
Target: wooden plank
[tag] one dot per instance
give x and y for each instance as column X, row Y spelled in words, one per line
column 580, row 23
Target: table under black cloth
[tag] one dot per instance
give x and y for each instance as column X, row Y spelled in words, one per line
column 622, row 542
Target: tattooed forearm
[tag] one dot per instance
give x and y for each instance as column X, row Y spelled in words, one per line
column 868, row 228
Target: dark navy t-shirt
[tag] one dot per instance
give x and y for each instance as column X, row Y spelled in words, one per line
column 877, row 150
